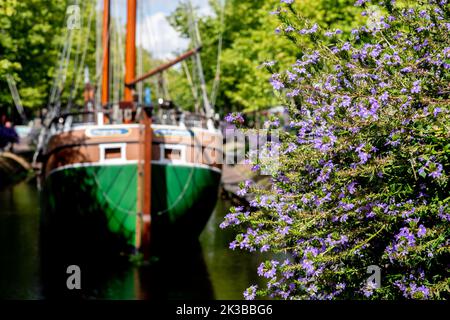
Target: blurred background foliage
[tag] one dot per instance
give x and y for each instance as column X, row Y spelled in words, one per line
column 249, row 39
column 32, row 34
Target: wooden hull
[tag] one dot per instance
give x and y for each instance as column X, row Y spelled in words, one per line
column 91, row 197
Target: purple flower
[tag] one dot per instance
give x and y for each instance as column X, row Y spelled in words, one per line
column 268, row 269
column 276, row 83
column 422, row 231
column 416, row 87
column 406, row 235
column 312, row 289
column 340, row 286
column 369, row 288
column 293, row 93
column 233, row 245
column 436, row 111
column 346, row 46
column 287, row 1
column 275, row 12
column 234, row 118
column 291, row 76
column 363, row 156
column 346, row 206
column 284, row 231
column 289, row 29
column 351, row 187
column 422, row 171
column 423, row 291
column 360, row 2
column 442, row 214
column 406, row 70
column 346, row 101
column 437, row 172
column 308, row 267
column 269, row 63
column 250, row 293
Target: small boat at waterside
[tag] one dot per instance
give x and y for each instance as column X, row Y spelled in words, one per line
column 13, row 169
column 115, row 185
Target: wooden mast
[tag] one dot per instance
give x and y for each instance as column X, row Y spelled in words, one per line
column 147, row 179
column 143, row 221
column 130, row 53
column 105, row 45
column 163, row 67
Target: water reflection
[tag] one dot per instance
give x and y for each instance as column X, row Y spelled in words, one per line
column 205, row 270
column 179, row 274
column 19, row 243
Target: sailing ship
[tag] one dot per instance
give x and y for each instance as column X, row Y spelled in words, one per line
column 122, row 183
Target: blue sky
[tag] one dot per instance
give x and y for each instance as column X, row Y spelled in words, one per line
column 154, row 32
column 168, row 6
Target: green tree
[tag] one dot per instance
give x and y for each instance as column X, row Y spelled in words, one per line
column 32, row 34
column 249, row 39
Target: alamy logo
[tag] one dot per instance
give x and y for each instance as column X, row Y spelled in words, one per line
column 374, row 18
column 374, row 281
column 73, row 17
column 74, row 280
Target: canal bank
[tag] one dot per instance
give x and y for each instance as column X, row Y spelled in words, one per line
column 208, row 270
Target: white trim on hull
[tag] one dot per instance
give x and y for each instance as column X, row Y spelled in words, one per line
column 131, row 162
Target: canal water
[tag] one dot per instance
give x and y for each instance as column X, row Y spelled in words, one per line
column 209, row 270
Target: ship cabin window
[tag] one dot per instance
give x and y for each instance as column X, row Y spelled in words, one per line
column 113, row 152
column 172, row 153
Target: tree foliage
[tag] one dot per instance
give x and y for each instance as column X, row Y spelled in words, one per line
column 249, row 39
column 32, row 34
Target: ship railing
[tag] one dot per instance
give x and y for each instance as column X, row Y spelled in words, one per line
column 71, row 119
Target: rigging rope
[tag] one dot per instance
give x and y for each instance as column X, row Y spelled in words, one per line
column 58, row 66
column 86, row 43
column 59, row 75
column 216, row 82
column 140, row 66
column 78, row 65
column 120, row 56
column 64, row 74
column 195, row 35
column 191, row 85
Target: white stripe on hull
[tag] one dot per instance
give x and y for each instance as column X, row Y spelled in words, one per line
column 130, row 162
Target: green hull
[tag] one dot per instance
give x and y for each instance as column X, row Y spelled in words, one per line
column 95, row 206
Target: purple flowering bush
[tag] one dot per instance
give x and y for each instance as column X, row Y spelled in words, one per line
column 363, row 172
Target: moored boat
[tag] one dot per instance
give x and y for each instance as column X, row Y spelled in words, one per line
column 91, row 170
column 111, row 185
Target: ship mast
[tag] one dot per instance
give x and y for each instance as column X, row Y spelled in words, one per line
column 105, row 45
column 143, row 221
column 130, row 53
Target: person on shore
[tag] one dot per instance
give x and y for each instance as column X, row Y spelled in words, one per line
column 8, row 136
